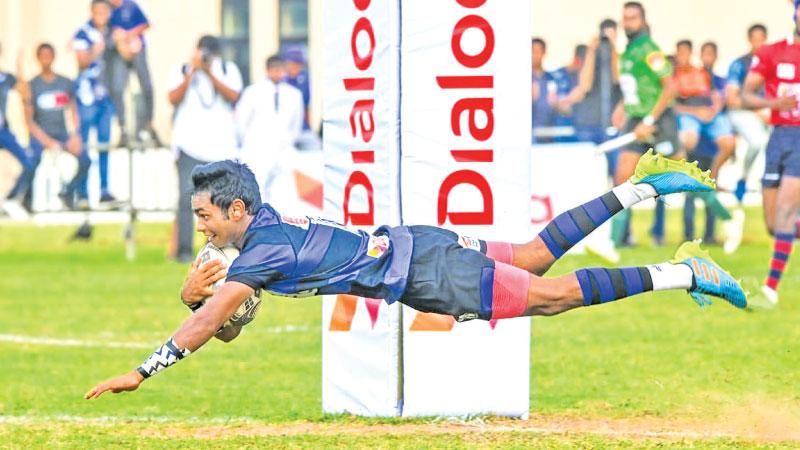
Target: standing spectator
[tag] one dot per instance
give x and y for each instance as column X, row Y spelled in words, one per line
column 128, row 24
column 269, row 119
column 94, row 105
column 750, row 125
column 648, row 92
column 13, row 203
column 708, row 56
column 541, row 86
column 203, row 93
column 297, row 76
column 566, row 80
column 704, row 154
column 51, row 95
column 700, row 114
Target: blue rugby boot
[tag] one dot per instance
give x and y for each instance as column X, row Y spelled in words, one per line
column 709, row 277
column 668, row 176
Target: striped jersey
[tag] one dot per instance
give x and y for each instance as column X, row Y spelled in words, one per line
column 304, row 256
column 92, row 83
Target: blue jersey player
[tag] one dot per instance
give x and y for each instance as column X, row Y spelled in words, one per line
column 427, row 268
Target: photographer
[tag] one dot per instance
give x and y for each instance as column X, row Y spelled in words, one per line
column 203, row 93
column 594, row 98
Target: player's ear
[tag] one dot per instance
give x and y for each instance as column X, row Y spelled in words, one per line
column 237, row 210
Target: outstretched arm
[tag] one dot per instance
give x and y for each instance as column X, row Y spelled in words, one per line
column 194, row 332
column 752, row 100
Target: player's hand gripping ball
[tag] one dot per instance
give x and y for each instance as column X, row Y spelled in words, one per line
column 249, row 308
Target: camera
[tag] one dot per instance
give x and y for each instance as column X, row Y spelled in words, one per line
column 206, row 56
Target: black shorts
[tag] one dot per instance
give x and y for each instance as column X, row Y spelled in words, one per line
column 449, row 274
column 783, row 155
column 665, row 139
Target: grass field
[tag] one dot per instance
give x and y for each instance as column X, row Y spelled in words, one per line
column 652, row 372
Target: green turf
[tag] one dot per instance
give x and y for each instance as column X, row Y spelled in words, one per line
column 654, row 356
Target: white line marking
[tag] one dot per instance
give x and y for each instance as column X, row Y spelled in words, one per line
column 42, row 340
column 37, row 420
column 283, row 329
column 37, row 340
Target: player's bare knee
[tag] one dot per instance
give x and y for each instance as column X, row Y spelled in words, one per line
column 785, row 219
column 689, row 141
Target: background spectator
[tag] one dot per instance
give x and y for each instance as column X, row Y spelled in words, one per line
column 541, row 85
column 92, row 94
column 598, row 90
column 748, row 124
column 269, row 119
column 51, row 95
column 647, row 90
column 700, row 114
column 13, row 204
column 297, row 76
column 699, row 105
column 129, row 23
column 708, row 57
column 203, row 93
column 566, row 80
column 704, row 154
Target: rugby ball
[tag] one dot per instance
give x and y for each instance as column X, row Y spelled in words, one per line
column 249, row 308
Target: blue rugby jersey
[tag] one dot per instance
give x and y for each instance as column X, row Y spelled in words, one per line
column 128, row 16
column 7, row 82
column 303, row 256
column 738, row 69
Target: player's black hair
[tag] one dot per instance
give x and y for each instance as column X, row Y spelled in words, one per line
column 540, row 41
column 225, row 181
column 608, row 23
column 711, row 44
column 638, row 6
column 45, row 46
column 274, row 60
column 99, row 2
column 756, row 27
column 210, row 44
column 684, row 42
column 580, row 51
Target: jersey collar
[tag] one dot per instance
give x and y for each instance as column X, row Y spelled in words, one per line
column 639, row 37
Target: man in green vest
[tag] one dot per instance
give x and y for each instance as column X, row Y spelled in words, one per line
column 648, row 92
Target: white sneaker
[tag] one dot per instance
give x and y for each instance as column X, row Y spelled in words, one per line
column 770, row 294
column 15, row 210
column 734, row 229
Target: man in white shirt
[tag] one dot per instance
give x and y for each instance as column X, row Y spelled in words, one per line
column 203, row 130
column 269, row 119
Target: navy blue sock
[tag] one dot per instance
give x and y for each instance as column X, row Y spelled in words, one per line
column 607, row 285
column 103, row 163
column 566, row 230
